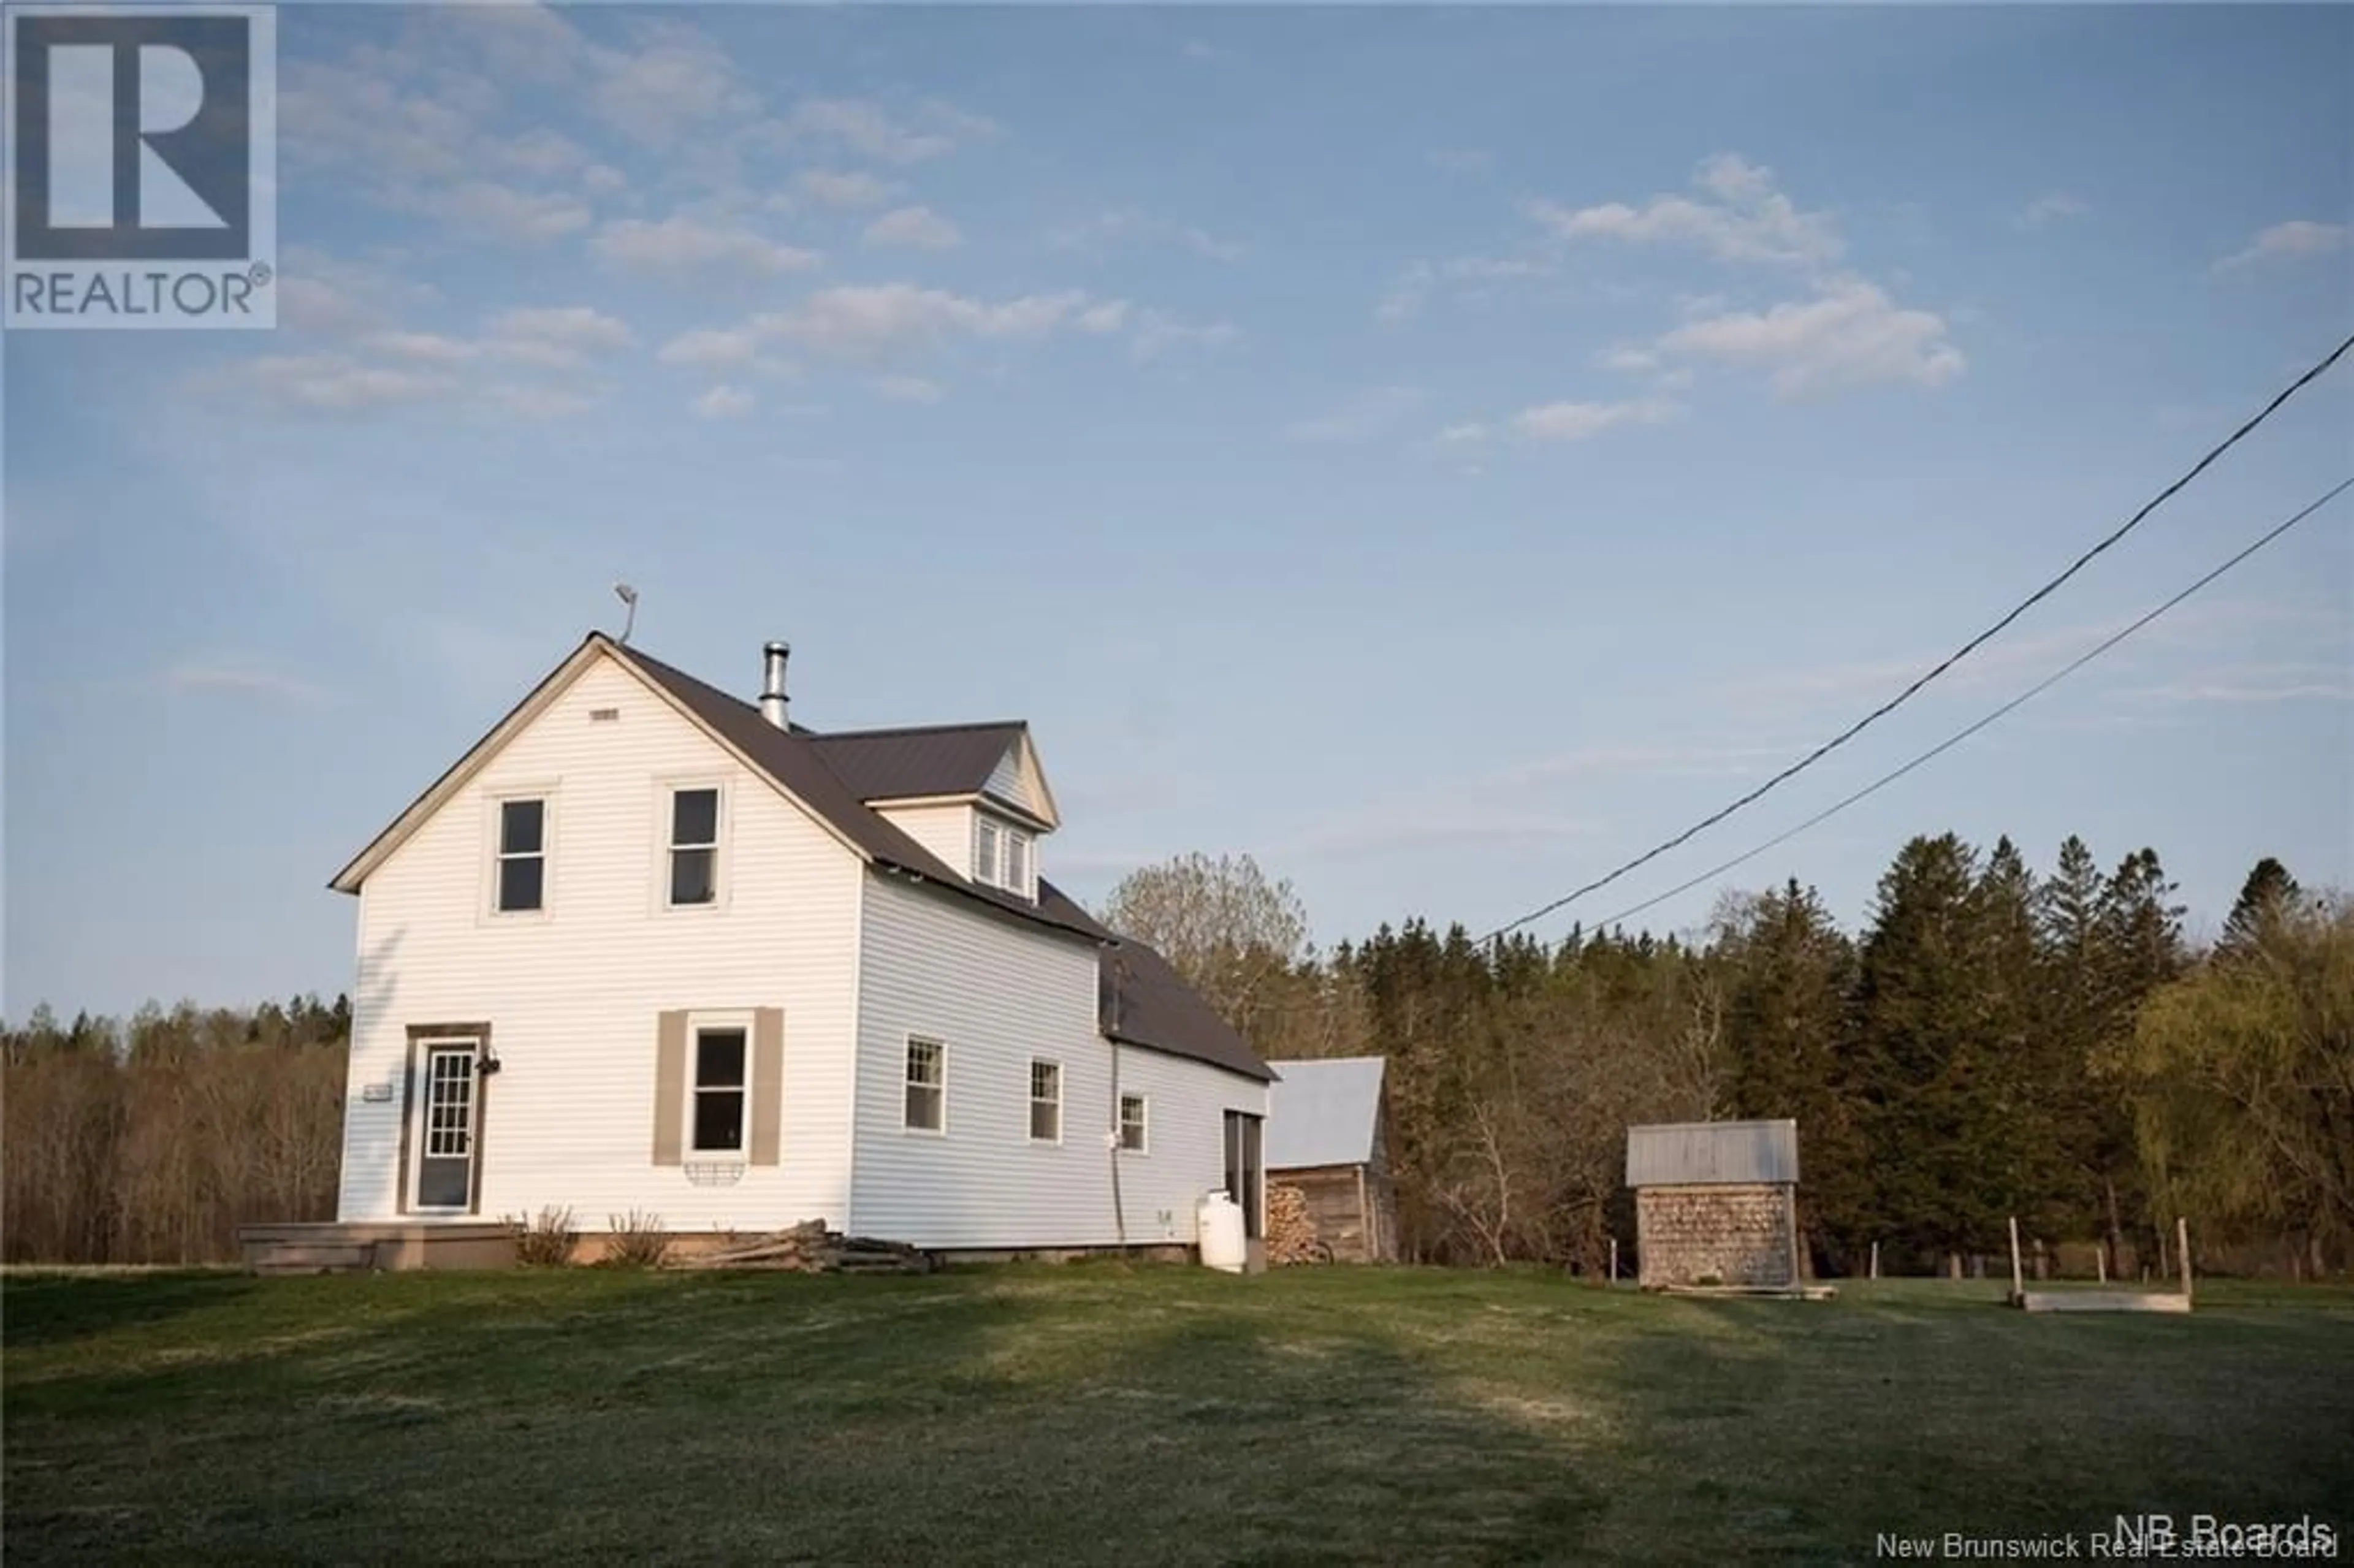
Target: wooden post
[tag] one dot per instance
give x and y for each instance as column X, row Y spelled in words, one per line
column 2182, row 1251
column 2018, row 1280
column 1613, row 1260
column 1875, row 1260
column 2101, row 1256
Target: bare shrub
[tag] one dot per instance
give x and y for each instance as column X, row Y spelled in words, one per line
column 636, row 1240
column 547, row 1240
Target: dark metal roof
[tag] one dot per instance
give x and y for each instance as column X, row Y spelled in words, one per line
column 903, row 764
column 794, row 761
column 1146, row 1002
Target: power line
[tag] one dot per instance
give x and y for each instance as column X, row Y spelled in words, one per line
column 2038, row 596
column 1949, row 744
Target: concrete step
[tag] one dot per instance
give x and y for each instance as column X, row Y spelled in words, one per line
column 310, row 1257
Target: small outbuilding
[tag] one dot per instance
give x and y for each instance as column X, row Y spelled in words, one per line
column 1715, row 1203
column 1328, row 1139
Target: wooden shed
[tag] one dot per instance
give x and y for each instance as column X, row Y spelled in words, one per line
column 1328, row 1136
column 1715, row 1203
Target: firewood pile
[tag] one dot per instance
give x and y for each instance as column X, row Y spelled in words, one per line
column 1291, row 1228
column 809, row 1248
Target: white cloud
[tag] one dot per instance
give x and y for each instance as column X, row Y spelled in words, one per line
column 828, row 189
column 712, row 347
column 871, row 130
column 681, row 243
column 322, row 293
column 724, row 402
column 333, row 383
column 917, row 227
column 424, row 347
column 1157, row 334
column 1739, row 215
column 2056, row 207
column 867, row 320
column 1120, row 227
column 2283, row 681
column 1583, row 421
column 557, row 336
column 671, row 83
column 239, row 676
column 908, row 389
column 502, row 212
column 1850, row 335
column 2295, row 240
column 1361, row 417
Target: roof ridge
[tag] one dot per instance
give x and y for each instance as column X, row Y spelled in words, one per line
column 918, row 729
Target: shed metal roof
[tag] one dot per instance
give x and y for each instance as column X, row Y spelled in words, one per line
column 1709, row 1153
column 1323, row 1112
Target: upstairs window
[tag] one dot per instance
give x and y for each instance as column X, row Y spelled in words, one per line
column 985, row 839
column 1131, row 1123
column 694, row 847
column 1046, row 1102
column 1001, row 856
column 523, row 856
column 927, row 1085
column 719, row 1092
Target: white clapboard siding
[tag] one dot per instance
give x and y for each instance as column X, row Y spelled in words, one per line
column 998, row 993
column 945, row 831
column 1160, row 1190
column 572, row 998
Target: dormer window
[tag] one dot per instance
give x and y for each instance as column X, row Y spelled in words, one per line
column 1001, row 856
column 988, row 836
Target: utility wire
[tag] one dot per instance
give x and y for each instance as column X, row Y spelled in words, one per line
column 2038, row 596
column 1947, row 745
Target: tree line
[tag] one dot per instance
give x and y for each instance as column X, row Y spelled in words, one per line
column 151, row 1142
column 1994, row 1042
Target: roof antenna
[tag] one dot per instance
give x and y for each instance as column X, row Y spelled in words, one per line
column 627, row 596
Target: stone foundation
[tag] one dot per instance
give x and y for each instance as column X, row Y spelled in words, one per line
column 1730, row 1235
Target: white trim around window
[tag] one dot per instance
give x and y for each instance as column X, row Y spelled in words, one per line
column 718, row 1070
column 924, row 1084
column 519, row 856
column 691, row 830
column 1135, row 1125
column 1046, row 1100
column 1004, row 856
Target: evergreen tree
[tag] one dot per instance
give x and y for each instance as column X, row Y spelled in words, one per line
column 1924, row 1110
column 2269, row 893
column 1788, row 972
column 2080, row 1016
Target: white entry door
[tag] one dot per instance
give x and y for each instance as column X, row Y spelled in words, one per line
column 448, row 1105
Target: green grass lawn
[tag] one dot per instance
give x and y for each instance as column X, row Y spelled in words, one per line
column 1103, row 1414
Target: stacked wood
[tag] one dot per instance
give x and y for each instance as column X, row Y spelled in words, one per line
column 1291, row 1228
column 811, row 1248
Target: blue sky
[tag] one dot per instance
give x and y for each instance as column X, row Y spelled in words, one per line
column 1438, row 453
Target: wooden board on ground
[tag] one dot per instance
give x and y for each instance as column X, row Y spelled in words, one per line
column 809, row 1248
column 1784, row 1292
column 2101, row 1301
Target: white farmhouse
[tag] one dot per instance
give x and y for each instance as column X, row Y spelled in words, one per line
column 650, row 948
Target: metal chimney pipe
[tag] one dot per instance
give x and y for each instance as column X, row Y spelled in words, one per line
column 772, row 684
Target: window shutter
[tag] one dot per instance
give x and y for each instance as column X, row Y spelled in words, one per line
column 767, row 1084
column 670, row 1089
